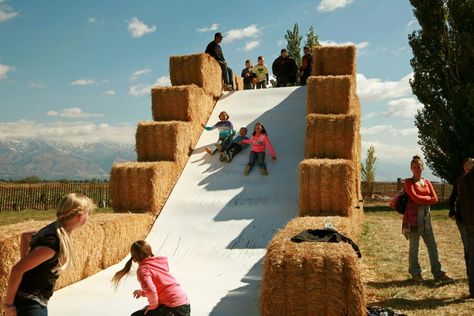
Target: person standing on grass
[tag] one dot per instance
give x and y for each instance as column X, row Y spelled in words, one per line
column 466, row 207
column 165, row 295
column 44, row 255
column 454, row 208
column 417, row 222
column 259, row 142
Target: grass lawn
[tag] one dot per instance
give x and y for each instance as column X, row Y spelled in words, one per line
column 385, row 261
column 13, row 217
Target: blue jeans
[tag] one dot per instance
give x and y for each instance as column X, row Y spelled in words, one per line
column 425, row 231
column 26, row 307
column 465, row 242
column 227, row 73
column 258, row 157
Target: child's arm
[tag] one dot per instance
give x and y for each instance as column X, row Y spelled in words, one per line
column 208, row 128
column 409, row 187
column 148, row 288
column 266, row 139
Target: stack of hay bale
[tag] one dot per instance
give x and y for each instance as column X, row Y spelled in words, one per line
column 312, row 278
column 163, row 146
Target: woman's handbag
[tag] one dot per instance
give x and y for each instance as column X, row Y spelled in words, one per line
column 399, row 202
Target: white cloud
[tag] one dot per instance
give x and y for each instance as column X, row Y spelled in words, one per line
column 359, row 46
column 137, row 28
column 413, row 25
column 281, row 43
column 72, row 113
column 37, row 85
column 140, row 90
column 251, row 45
column 6, row 12
column 92, row 20
column 389, row 130
column 138, row 73
column 372, row 89
column 237, row 34
column 386, row 151
column 213, row 27
column 404, row 107
column 84, row 82
column 4, row 69
column 109, row 92
column 331, row 5
column 73, row 132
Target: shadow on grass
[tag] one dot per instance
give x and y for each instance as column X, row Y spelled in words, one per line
column 421, row 304
column 408, row 282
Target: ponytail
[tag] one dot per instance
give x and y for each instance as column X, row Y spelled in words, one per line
column 64, row 249
column 120, row 274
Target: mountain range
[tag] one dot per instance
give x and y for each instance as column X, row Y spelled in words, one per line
column 20, row 158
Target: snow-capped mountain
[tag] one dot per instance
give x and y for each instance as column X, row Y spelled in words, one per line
column 20, row 158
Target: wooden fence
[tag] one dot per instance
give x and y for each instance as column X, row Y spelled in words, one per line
column 46, row 196
column 385, row 190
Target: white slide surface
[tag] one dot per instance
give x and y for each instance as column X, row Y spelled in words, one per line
column 217, row 223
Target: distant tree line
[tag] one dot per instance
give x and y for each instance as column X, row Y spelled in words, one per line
column 35, row 179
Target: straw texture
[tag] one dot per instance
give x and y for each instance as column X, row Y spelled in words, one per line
column 181, row 103
column 327, row 187
column 331, row 136
column 311, row 278
column 199, row 69
column 334, row 60
column 166, row 141
column 329, row 94
column 141, row 187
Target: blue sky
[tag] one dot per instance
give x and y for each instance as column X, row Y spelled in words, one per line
column 82, row 71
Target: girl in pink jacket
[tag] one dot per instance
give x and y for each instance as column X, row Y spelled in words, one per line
column 259, row 142
column 165, row 295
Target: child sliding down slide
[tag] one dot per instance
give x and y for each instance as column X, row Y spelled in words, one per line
column 226, row 132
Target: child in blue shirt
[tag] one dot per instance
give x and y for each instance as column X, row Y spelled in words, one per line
column 226, row 132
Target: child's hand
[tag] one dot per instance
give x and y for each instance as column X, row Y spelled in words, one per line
column 149, row 308
column 203, row 125
column 137, row 293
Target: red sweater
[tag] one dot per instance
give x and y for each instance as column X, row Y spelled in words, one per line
column 421, row 195
column 158, row 285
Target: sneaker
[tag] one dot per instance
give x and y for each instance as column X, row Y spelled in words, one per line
column 443, row 277
column 246, row 170
column 417, row 278
column 222, row 157
column 264, row 172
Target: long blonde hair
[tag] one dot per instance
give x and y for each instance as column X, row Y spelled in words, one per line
column 71, row 205
column 139, row 250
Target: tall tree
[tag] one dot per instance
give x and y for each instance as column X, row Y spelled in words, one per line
column 311, row 38
column 368, row 171
column 293, row 39
column 443, row 81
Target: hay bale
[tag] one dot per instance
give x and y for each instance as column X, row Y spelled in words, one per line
column 327, row 187
column 238, row 83
column 334, row 61
column 165, row 141
column 329, row 94
column 10, row 250
column 141, row 187
column 181, row 103
column 331, row 136
column 199, row 69
column 310, row 278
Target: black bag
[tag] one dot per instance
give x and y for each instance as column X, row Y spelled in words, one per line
column 401, row 204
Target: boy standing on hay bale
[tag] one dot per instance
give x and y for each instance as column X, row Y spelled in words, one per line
column 235, row 146
column 226, row 132
column 248, row 75
column 215, row 50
